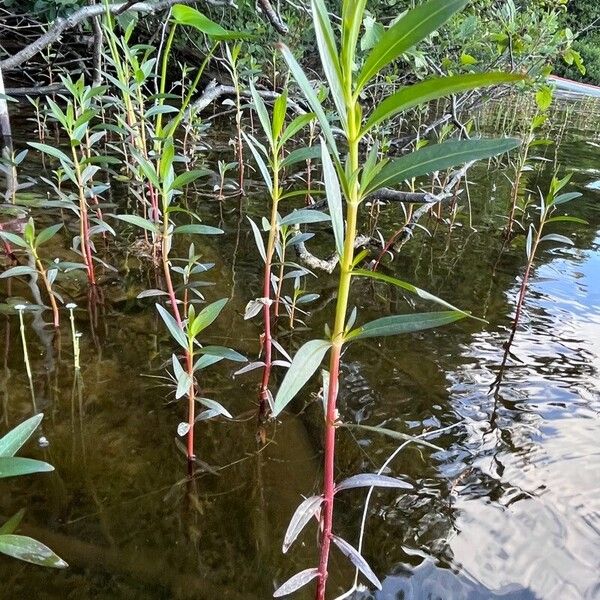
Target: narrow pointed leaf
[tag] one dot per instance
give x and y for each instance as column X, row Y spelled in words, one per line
column 433, row 89
column 357, row 560
column 555, row 237
column 299, row 155
column 334, row 198
column 260, row 162
column 207, row 316
column 309, row 94
column 14, row 466
column 372, row 480
column 399, row 324
column 17, row 271
column 352, row 17
column 263, row 115
column 174, row 329
column 396, row 435
column 223, row 352
column 16, row 438
column 302, row 515
column 197, row 228
column 186, row 15
column 329, row 55
column 50, row 150
column 30, row 550
column 305, row 363
column 296, row 582
column 304, row 216
column 138, row 221
column 260, row 244
column 438, row 157
column 11, row 525
column 295, row 126
column 214, row 406
column 563, row 198
column 47, row 234
column 412, row 28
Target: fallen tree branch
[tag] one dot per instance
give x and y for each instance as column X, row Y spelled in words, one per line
column 273, row 17
column 83, row 14
column 38, row 90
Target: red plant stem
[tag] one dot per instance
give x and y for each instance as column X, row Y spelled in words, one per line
column 188, row 354
column 329, row 463
column 267, row 341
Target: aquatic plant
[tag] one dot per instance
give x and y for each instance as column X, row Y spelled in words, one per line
column 17, row 546
column 271, row 162
column 31, row 243
column 348, row 183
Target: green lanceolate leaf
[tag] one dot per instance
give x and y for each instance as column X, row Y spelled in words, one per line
column 188, row 177
column 555, row 237
column 30, row 550
column 259, row 161
column 334, row 198
column 51, row 151
column 432, row 89
column 566, row 198
column 566, row 218
column 223, row 352
column 309, row 94
column 304, row 215
column 412, row 28
column 295, row 126
column 279, row 112
column 186, row 15
column 47, row 234
column 299, row 155
column 438, row 157
column 138, row 221
column 263, row 115
column 206, row 316
column 13, row 523
column 172, row 326
column 198, row 229
column 352, row 16
column 14, row 439
column 305, row 363
column 14, row 466
column 409, row 287
column 329, row 55
column 398, row 324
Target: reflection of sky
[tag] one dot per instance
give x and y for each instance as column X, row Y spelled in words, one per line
column 528, row 521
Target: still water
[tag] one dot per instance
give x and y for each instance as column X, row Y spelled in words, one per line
column 510, row 508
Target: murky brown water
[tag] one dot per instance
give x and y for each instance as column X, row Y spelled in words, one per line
column 509, row 509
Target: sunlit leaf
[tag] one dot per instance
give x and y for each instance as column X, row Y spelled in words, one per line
column 334, row 198
column 555, row 237
column 138, row 221
column 432, row 89
column 304, row 215
column 305, row 363
column 357, row 560
column 223, row 352
column 399, row 324
column 197, row 228
column 206, row 316
column 437, row 157
column 372, row 480
column 174, row 329
column 408, row 31
column 296, row 582
column 302, row 515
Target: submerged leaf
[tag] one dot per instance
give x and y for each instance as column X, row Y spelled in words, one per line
column 302, row 515
column 296, row 582
column 30, row 550
column 14, row 466
column 16, row 438
column 357, row 560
